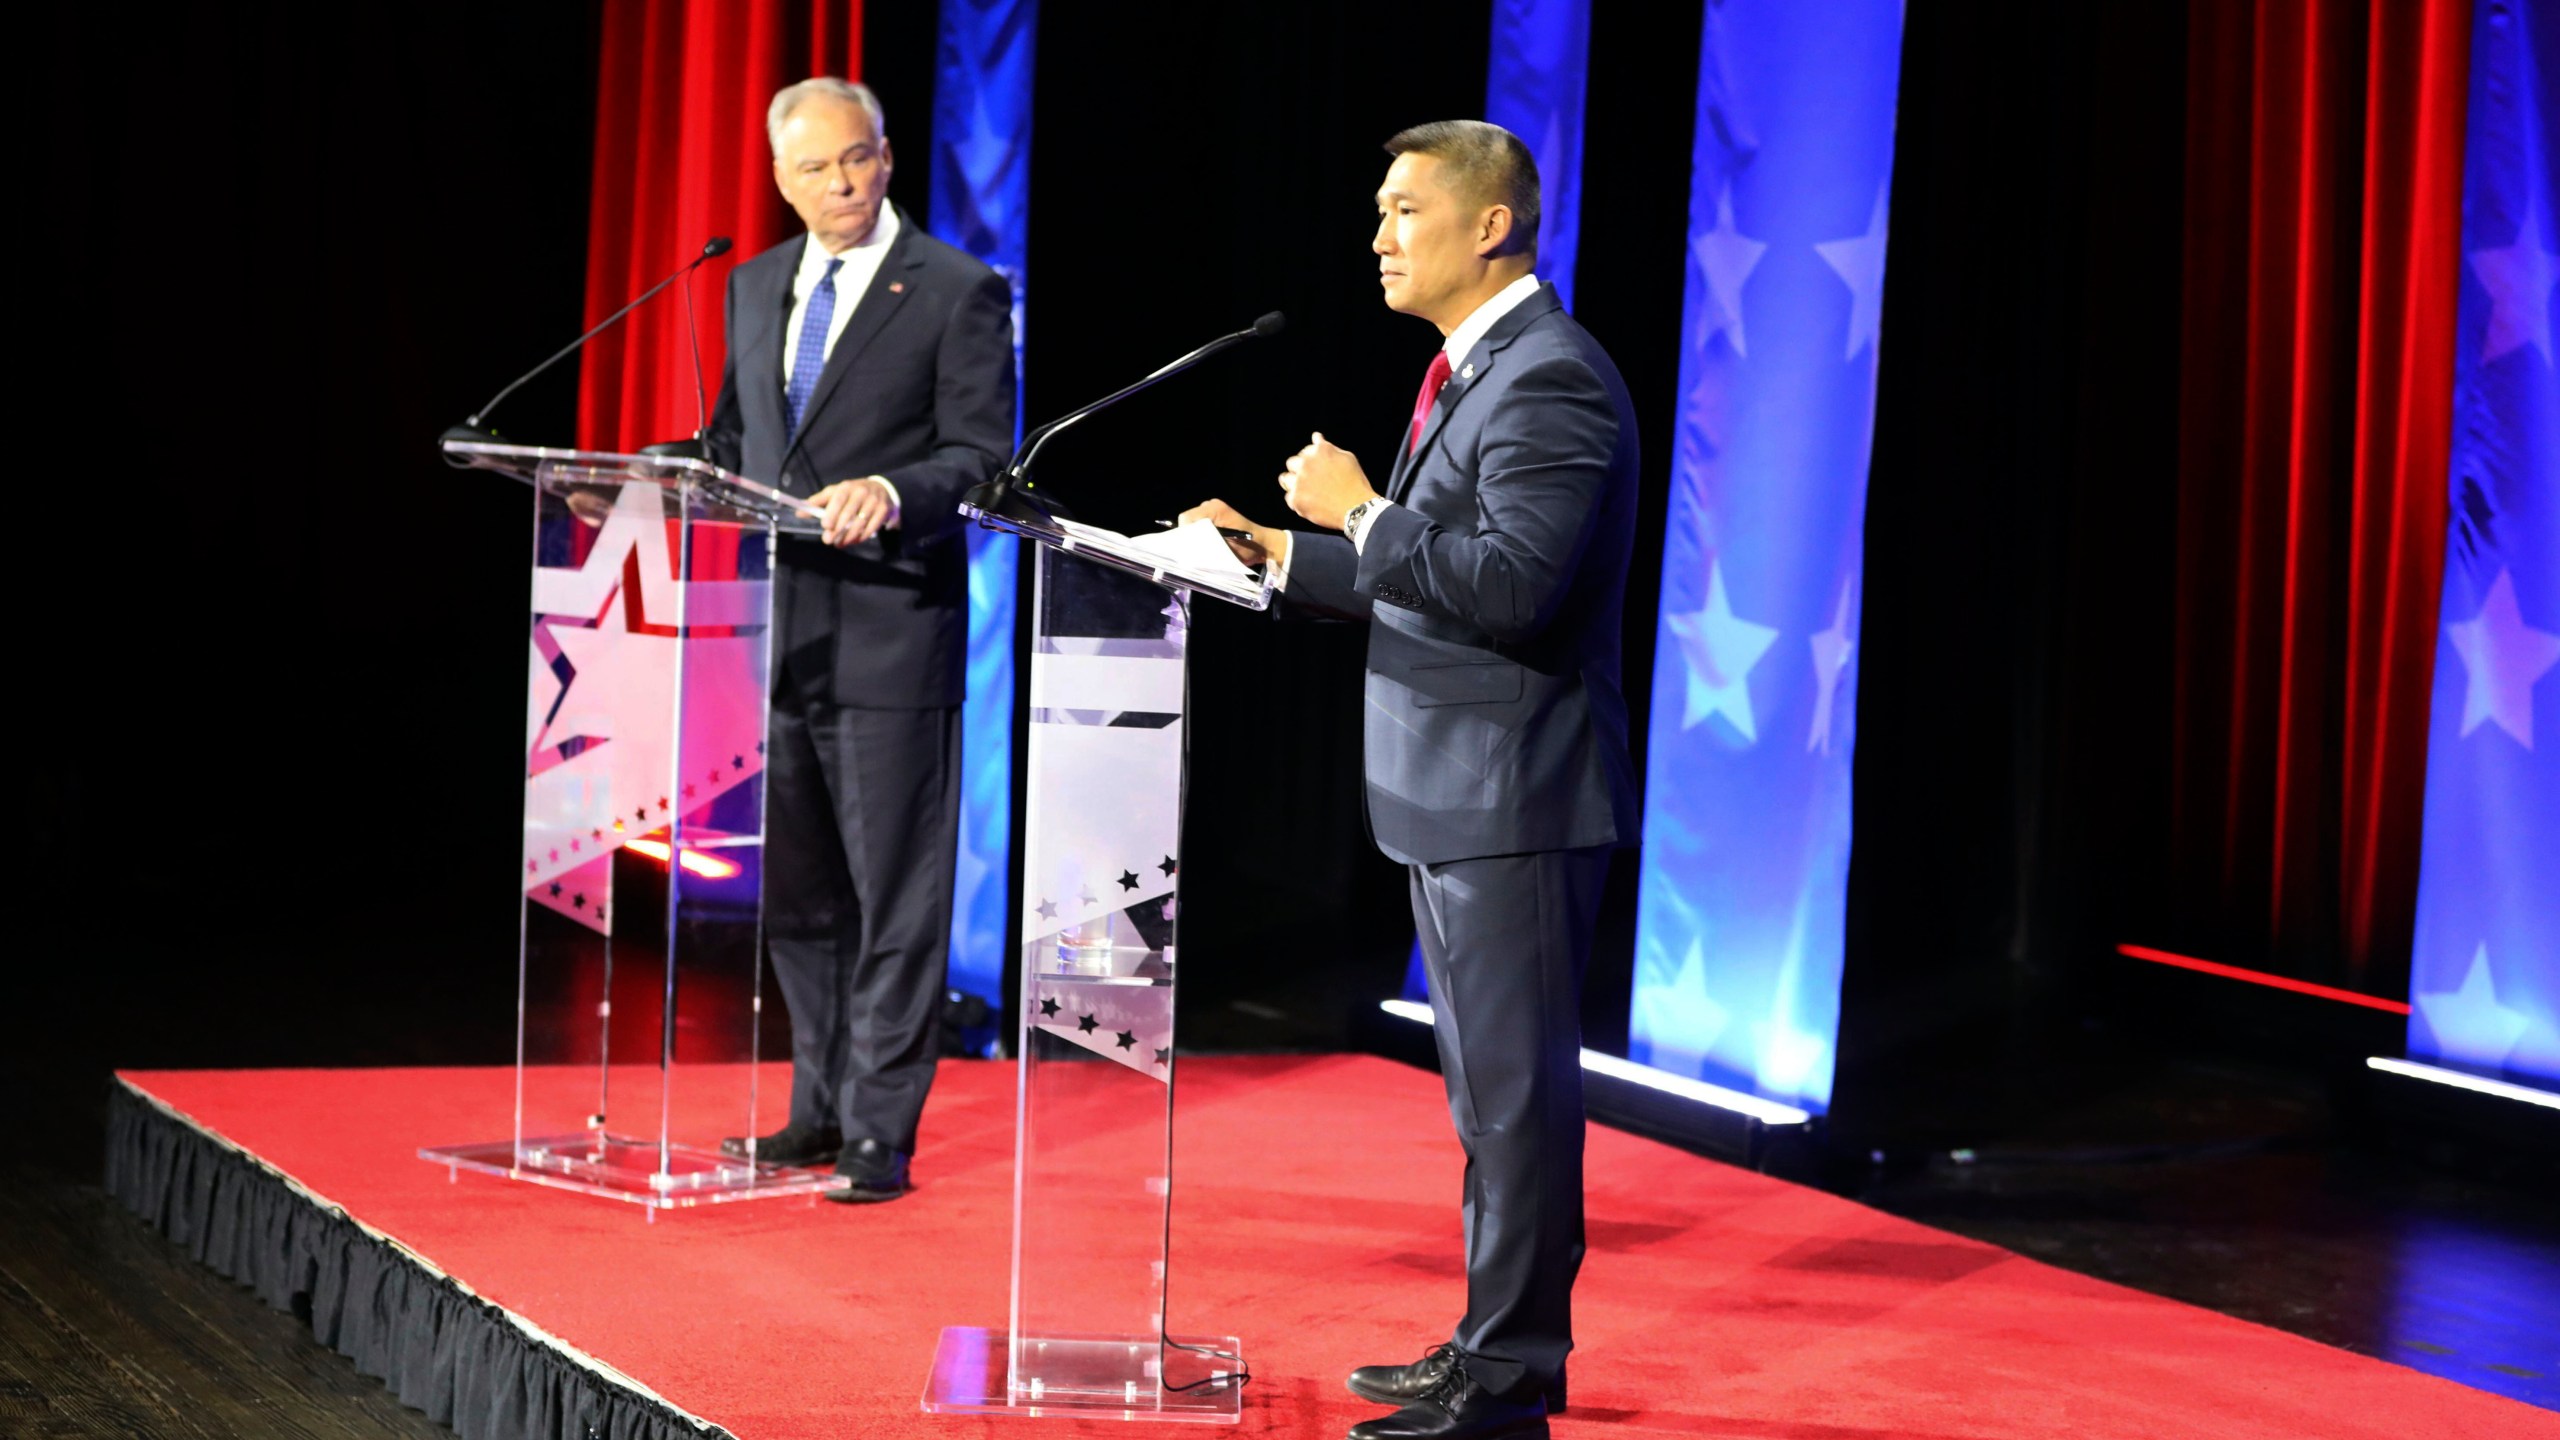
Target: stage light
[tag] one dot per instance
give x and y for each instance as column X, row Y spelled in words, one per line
column 2261, row 977
column 709, row 867
column 1767, row 1112
column 2481, row 1084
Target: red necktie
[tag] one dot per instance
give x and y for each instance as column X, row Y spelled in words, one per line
column 1432, row 380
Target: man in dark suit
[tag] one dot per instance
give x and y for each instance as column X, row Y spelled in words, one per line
column 1492, row 573
column 870, row 369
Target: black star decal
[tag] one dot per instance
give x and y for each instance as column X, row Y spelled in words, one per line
column 1168, row 866
column 578, row 903
column 759, row 747
column 555, row 889
column 1086, row 1025
column 1128, row 1041
column 1165, row 1056
column 1048, row 1006
column 641, row 815
column 737, row 762
column 1048, row 909
column 598, row 834
column 1128, row 879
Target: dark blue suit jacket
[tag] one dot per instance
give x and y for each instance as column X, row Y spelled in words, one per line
column 1494, row 588
column 918, row 390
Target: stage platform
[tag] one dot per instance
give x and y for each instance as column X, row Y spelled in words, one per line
column 1315, row 1217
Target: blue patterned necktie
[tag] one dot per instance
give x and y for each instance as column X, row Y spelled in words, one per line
column 811, row 356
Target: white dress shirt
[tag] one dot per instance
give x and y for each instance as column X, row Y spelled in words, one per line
column 853, row 281
column 1461, row 341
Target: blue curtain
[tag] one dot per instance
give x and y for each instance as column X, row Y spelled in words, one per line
column 1744, row 876
column 1534, row 84
column 981, row 199
column 2485, row 971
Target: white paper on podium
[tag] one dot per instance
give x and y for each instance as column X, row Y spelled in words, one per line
column 1193, row 548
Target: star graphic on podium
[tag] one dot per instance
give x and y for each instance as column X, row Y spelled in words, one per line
column 1048, row 1006
column 1128, row 1041
column 1087, row 1025
column 1048, row 909
column 1128, row 879
column 1168, row 867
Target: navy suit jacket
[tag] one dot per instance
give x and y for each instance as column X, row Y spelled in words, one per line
column 919, row 391
column 1494, row 589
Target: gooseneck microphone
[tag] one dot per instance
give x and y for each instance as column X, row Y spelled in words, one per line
column 474, row 429
column 1012, row 495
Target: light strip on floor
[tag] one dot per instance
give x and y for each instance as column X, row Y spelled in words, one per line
column 2457, row 1079
column 2261, row 977
column 1767, row 1112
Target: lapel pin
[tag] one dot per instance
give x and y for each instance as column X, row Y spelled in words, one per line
column 1468, row 372
column 897, row 287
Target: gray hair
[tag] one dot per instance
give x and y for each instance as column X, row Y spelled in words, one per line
column 822, row 87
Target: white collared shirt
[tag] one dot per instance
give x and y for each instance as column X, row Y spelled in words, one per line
column 853, row 281
column 1461, row 341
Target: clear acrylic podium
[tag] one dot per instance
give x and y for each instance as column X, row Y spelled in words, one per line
column 1093, row 1154
column 639, row 982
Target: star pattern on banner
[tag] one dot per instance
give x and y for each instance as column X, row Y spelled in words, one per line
column 2469, row 1023
column 1726, row 257
column 2519, row 279
column 1676, row 1015
column 1831, row 651
column 2503, row 657
column 1859, row 260
column 1721, row 649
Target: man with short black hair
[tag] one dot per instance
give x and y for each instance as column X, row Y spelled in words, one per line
column 870, row 370
column 1492, row 573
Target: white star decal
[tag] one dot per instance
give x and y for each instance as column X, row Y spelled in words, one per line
column 1831, row 651
column 2504, row 657
column 1725, row 257
column 1676, row 1018
column 2469, row 1024
column 1860, row 263
column 2519, row 279
column 1721, row 650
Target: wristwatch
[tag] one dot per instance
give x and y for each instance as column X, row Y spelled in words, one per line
column 1351, row 518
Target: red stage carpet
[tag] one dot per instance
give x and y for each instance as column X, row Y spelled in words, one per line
column 1316, row 1217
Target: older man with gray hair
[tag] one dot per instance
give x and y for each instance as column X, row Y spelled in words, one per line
column 870, row 369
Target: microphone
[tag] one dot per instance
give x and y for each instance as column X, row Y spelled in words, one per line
column 473, row 429
column 1011, row 494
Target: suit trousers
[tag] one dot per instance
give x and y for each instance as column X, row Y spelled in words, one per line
column 861, row 822
column 1505, row 941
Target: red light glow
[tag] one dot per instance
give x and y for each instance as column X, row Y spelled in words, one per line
column 709, row 867
column 2261, row 977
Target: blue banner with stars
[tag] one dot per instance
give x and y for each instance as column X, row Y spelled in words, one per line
column 1534, row 82
column 1745, row 869
column 2484, row 983
column 981, row 199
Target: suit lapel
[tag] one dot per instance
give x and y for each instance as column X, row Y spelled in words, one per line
column 1478, row 363
column 890, row 287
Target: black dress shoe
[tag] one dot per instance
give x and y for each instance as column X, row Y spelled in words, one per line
column 1404, row 1384
column 1457, row 1408
column 877, row 1172
column 790, row 1145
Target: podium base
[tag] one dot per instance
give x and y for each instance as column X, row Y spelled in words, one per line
column 1086, row 1377
column 622, row 1168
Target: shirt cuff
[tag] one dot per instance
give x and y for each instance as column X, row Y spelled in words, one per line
column 894, row 506
column 1277, row 566
column 1359, row 530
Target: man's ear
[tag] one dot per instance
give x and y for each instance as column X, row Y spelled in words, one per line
column 888, row 162
column 780, row 182
column 1493, row 232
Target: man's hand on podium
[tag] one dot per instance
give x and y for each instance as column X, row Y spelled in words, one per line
column 856, row 510
column 1261, row 542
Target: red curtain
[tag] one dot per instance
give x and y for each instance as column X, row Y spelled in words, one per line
column 2324, row 186
column 681, row 156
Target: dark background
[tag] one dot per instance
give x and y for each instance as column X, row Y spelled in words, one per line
column 281, row 762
